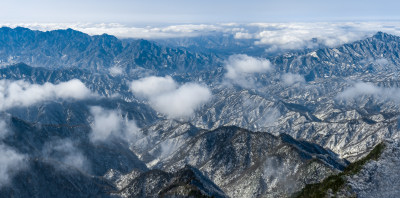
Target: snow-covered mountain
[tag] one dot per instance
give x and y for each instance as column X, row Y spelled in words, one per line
column 242, row 127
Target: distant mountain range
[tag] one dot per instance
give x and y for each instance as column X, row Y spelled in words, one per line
column 70, row 48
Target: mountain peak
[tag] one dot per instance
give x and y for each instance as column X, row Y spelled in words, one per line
column 383, row 36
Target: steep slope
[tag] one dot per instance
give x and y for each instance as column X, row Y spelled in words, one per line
column 361, row 178
column 59, row 160
column 313, row 111
column 43, row 179
column 379, row 177
column 319, row 107
column 254, row 164
column 186, row 182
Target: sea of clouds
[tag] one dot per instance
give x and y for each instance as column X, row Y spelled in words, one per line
column 275, row 36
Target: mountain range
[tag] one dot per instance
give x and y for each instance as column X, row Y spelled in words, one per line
column 306, row 116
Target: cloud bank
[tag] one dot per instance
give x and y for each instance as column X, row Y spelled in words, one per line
column 274, row 36
column 65, row 151
column 21, row 93
column 167, row 97
column 289, row 79
column 109, row 124
column 240, row 68
column 153, row 86
column 368, row 89
column 124, row 31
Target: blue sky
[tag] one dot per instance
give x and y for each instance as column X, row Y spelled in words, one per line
column 190, row 11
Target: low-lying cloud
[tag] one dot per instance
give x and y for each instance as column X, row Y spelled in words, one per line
column 167, row 97
column 124, row 31
column 111, row 124
column 240, row 68
column 274, row 36
column 289, row 79
column 4, row 131
column 368, row 89
column 21, row 93
column 66, row 152
column 381, row 61
column 183, row 101
column 153, row 86
column 115, row 71
column 11, row 161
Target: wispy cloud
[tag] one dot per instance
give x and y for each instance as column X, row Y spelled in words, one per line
column 167, row 97
column 152, row 86
column 109, row 124
column 11, row 161
column 4, row 130
column 289, row 79
column 115, row 71
column 240, row 68
column 359, row 89
column 21, row 93
column 66, row 151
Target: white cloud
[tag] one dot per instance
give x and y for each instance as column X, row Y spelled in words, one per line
column 243, row 35
column 183, row 101
column 369, row 89
column 10, row 163
column 21, row 93
column 105, row 123
column 66, row 152
column 4, row 130
column 153, row 86
column 279, row 173
column 115, row 71
column 240, row 69
column 123, row 31
column 111, row 124
column 290, row 79
column 381, row 61
column 284, row 36
column 167, row 97
column 274, row 36
column 242, row 64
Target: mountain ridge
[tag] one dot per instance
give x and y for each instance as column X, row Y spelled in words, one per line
column 71, row 48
